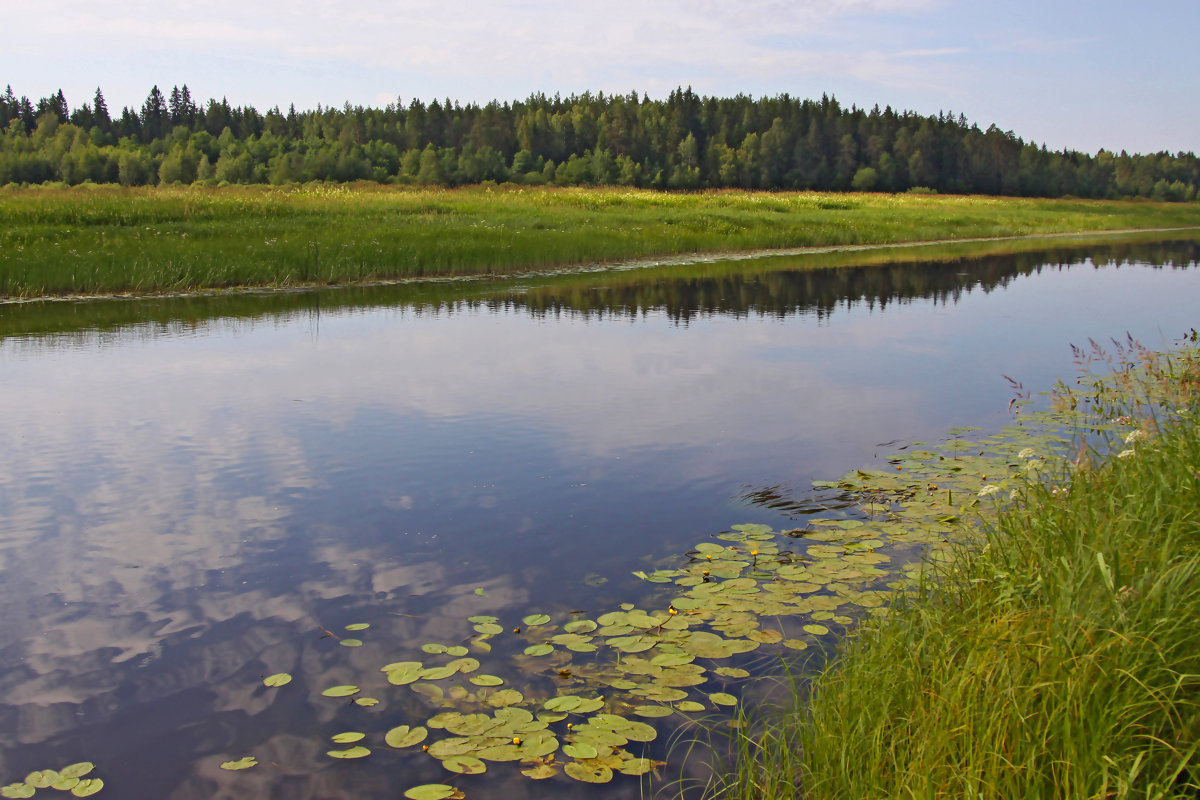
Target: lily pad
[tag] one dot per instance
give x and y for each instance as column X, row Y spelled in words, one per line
column 404, row 736
column 489, row 628
column 358, row 626
column 87, row 787
column 433, row 648
column 539, row 650
column 42, row 778
column 535, row 619
column 17, row 790
column 241, row 763
column 456, row 650
column 351, row 643
column 581, row 750
column 505, row 697
column 637, row 766
column 353, row 752
column 723, row 699
column 816, row 630
column 464, row 765
column 540, row 771
column 340, row 691
column 348, row 737
column 486, row 680
column 433, row 791
column 278, row 679
column 366, row 702
column 65, row 783
column 689, row 705
column 587, row 773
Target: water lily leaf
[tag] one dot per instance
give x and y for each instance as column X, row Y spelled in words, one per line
column 351, row 643
column 489, row 628
column 535, row 619
column 404, row 736
column 766, row 636
column 77, row 770
column 672, row 659
column 638, row 643
column 433, row 648
column 580, row 750
column 637, row 766
column 486, row 680
column 580, row 626
column 437, row 673
column 732, row 672
column 540, row 771
column 430, row 690
column 587, row 773
column 565, row 702
column 17, row 790
column 479, row 591
column 457, row 650
column 588, row 705
column 353, row 752
column 652, row 711
column 689, row 705
column 65, row 783
column 505, row 697
column 434, row 791
column 464, row 765
column 358, row 626
column 87, row 787
column 539, row 650
column 348, row 737
column 340, row 691
column 405, row 675
column 366, row 702
column 278, row 679
column 464, row 665
column 42, row 778
column 482, row 618
column 241, row 763
column 723, row 699
column 816, row 630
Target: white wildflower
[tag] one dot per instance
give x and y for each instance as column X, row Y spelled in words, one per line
column 1126, row 453
column 1028, row 452
column 1135, row 436
column 990, row 489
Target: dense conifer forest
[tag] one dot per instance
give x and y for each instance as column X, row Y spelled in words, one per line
column 686, row 141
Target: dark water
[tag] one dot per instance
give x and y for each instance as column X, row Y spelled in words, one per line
column 192, row 489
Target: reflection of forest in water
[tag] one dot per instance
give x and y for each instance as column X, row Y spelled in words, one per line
column 775, row 286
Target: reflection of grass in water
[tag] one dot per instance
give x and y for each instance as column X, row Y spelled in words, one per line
column 113, row 239
column 1060, row 660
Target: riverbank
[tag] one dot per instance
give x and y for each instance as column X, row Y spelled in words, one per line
column 112, row 240
column 1057, row 659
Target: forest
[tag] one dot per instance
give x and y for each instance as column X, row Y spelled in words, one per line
column 685, row 142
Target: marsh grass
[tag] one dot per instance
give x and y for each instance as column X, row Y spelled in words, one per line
column 1061, row 659
column 107, row 239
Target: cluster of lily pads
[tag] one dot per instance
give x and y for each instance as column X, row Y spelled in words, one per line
column 586, row 685
column 70, row 779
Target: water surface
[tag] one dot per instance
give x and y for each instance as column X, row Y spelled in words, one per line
column 193, row 489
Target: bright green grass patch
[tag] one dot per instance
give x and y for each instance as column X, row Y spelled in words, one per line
column 1061, row 659
column 113, row 239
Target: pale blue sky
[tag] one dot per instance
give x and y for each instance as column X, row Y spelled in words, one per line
column 1066, row 73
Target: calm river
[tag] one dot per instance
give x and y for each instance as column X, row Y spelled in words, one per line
column 194, row 493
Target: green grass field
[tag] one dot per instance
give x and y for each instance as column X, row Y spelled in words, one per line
column 106, row 239
column 1059, row 657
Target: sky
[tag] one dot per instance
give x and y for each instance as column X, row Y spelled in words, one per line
column 1074, row 74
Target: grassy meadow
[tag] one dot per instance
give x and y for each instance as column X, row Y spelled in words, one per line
column 1058, row 657
column 108, row 239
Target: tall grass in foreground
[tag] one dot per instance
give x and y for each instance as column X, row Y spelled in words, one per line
column 1060, row 660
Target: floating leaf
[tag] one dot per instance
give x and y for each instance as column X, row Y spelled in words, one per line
column 42, row 778
column 486, row 680
column 87, row 787
column 366, row 702
column 353, row 752
column 340, row 691
column 505, row 697
column 433, row 791
column 637, row 766
column 457, row 650
column 489, row 628
column 17, row 790
column 77, row 770
column 816, row 630
column 539, row 650
column 358, row 626
column 351, row 643
column 437, row 673
column 580, row 626
column 588, row 773
column 278, row 679
column 242, row 763
column 767, row 636
column 723, row 699
column 535, row 619
column 732, row 672
column 483, row 618
column 464, row 765
column 795, row 644
column 540, row 771
column 404, row 736
column 580, row 750
column 652, row 711
column 348, row 737
column 64, row 783
column 433, row 648
column 689, row 705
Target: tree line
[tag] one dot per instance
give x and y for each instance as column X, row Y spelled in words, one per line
column 686, row 141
